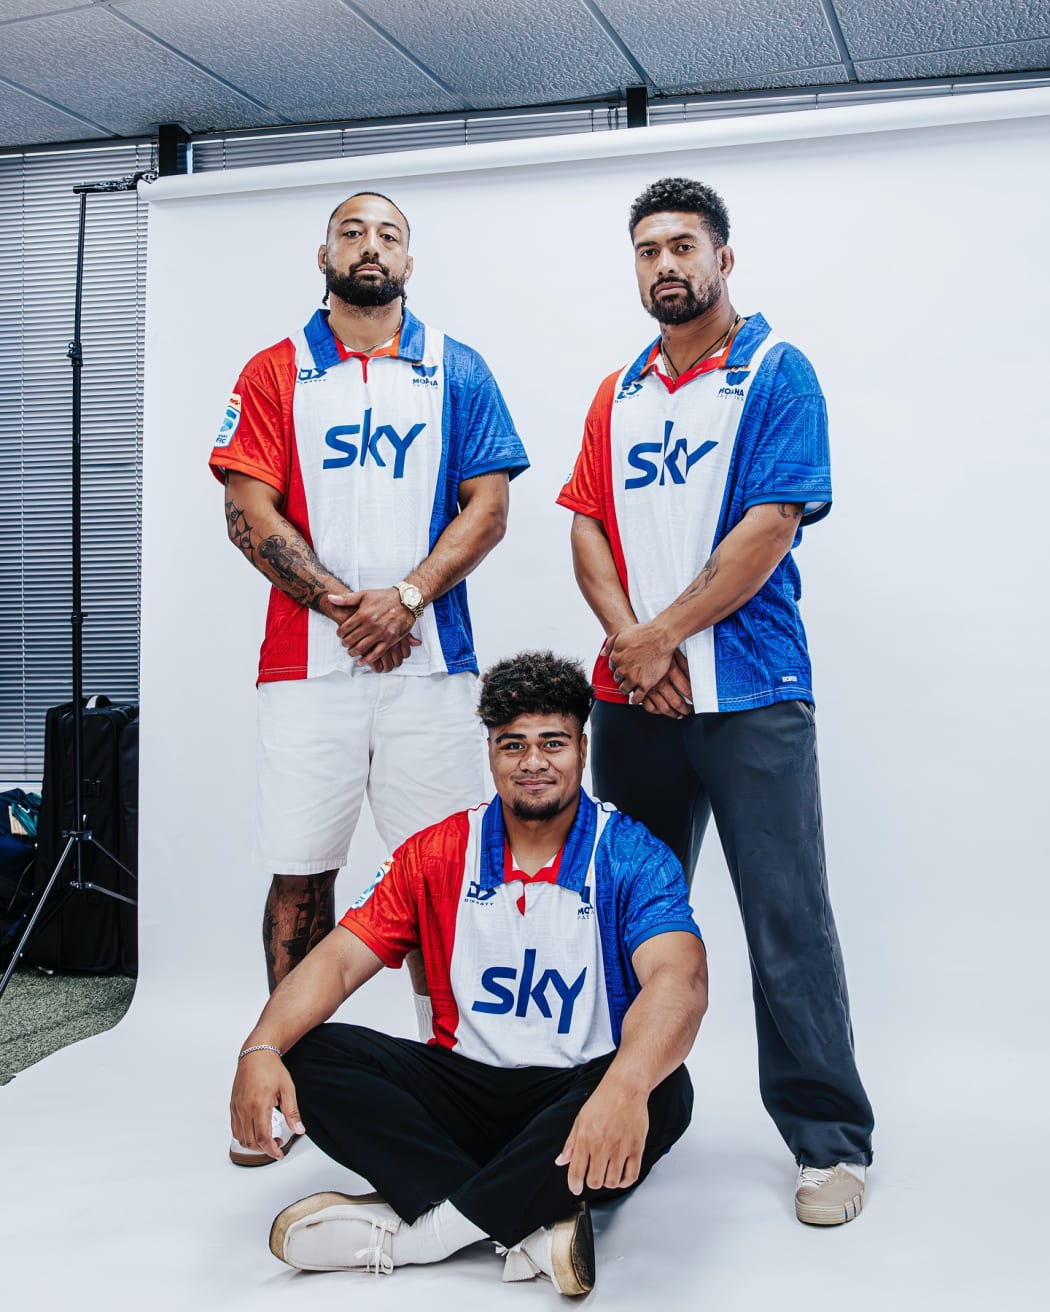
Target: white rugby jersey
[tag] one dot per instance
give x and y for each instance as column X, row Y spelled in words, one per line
column 547, row 987
column 669, row 467
column 368, row 453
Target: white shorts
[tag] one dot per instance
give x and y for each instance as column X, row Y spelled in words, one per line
column 414, row 744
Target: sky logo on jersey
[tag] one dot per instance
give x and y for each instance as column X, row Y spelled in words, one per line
column 230, row 421
column 377, row 879
column 662, row 460
column 527, row 992
column 370, row 445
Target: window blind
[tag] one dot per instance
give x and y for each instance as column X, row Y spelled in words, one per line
column 38, row 238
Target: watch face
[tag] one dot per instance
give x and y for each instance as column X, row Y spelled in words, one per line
column 411, row 595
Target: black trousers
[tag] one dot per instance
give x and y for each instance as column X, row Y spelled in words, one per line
column 756, row 771
column 424, row 1124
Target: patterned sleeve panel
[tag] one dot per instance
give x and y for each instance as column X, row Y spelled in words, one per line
column 641, row 892
column 785, row 429
column 481, row 426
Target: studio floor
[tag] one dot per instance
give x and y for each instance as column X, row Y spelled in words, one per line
column 118, row 1194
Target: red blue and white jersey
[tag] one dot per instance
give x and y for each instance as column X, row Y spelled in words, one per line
column 525, row 972
column 669, row 467
column 368, row 453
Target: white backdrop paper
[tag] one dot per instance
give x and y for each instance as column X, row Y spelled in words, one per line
column 908, row 261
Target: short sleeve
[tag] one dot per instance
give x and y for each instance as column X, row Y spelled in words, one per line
column 385, row 916
column 653, row 898
column 255, row 436
column 785, row 437
column 583, row 492
column 481, row 423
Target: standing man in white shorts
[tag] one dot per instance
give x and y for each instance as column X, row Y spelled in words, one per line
column 367, row 461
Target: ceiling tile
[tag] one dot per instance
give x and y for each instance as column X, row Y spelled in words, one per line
column 879, row 28
column 508, row 53
column 827, row 75
column 23, row 8
column 694, row 42
column 25, row 121
column 110, row 73
column 1011, row 57
column 311, row 60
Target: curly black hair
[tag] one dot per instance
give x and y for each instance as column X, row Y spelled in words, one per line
column 685, row 196
column 534, row 683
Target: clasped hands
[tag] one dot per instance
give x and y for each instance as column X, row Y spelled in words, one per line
column 374, row 626
column 649, row 670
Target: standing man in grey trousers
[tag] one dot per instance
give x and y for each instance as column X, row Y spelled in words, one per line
column 701, row 462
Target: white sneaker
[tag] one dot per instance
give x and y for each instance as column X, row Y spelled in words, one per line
column 336, row 1232
column 563, row 1252
column 242, row 1154
column 829, row 1195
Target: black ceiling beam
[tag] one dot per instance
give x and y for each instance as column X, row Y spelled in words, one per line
column 637, row 107
column 172, row 140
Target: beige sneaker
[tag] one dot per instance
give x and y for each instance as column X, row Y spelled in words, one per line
column 831, row 1195
column 336, row 1232
column 563, row 1252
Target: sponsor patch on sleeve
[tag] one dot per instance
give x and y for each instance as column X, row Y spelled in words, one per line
column 377, row 879
column 230, row 421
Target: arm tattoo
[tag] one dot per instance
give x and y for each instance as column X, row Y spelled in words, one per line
column 789, row 510
column 295, row 568
column 703, row 580
column 239, row 529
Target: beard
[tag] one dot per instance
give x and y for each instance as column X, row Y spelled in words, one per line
column 689, row 304
column 524, row 809
column 364, row 293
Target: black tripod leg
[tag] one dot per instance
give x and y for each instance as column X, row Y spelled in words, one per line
column 36, row 914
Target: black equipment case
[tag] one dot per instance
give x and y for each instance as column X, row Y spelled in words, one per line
column 80, row 930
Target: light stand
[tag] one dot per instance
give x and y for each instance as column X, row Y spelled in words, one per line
column 80, row 836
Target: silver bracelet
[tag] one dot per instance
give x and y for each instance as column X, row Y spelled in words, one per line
column 260, row 1047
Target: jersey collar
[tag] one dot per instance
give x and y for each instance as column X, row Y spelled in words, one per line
column 575, row 856
column 324, row 346
column 750, row 336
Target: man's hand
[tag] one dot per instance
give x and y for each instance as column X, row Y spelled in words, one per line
column 262, row 1083
column 605, row 1145
column 673, row 695
column 378, row 629
column 640, row 656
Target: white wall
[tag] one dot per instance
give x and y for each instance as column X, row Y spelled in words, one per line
column 909, row 265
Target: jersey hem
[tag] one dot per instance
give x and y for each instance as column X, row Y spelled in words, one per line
column 220, row 468
column 571, row 503
column 389, row 959
column 667, row 927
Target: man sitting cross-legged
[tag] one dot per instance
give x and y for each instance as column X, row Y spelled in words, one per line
column 568, row 981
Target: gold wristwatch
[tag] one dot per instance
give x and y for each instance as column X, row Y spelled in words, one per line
column 411, row 598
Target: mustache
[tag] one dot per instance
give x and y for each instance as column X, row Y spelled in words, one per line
column 374, row 260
